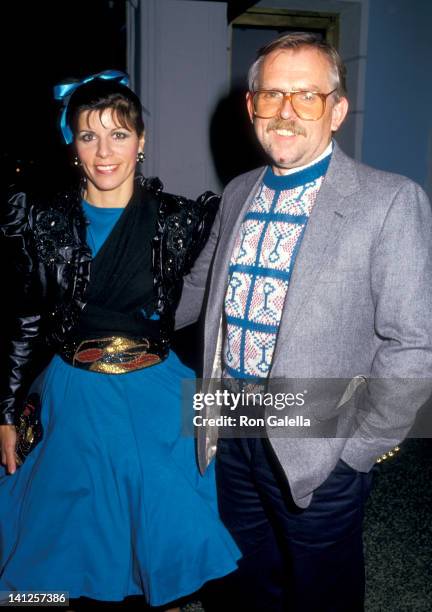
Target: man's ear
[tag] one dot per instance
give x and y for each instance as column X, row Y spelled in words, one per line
column 339, row 112
column 249, row 105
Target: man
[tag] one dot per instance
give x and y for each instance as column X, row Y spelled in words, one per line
column 321, row 268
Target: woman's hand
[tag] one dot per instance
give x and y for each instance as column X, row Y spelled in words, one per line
column 8, row 439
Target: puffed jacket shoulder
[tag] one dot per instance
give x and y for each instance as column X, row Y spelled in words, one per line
column 183, row 228
column 47, row 264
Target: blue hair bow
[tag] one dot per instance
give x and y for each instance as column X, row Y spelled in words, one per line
column 65, row 90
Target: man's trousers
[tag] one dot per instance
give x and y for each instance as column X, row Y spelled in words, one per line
column 294, row 560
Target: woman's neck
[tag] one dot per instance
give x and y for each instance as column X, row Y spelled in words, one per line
column 115, row 198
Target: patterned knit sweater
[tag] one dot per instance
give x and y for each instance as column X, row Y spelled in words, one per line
column 261, row 266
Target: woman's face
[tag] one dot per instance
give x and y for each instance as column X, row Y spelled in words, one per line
column 108, row 154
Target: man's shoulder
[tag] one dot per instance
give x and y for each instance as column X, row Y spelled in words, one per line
column 368, row 178
column 244, row 181
column 371, row 177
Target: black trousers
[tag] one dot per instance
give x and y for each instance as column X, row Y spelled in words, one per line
column 293, row 560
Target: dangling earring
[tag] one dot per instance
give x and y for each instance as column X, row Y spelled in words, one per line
column 76, row 162
column 140, row 157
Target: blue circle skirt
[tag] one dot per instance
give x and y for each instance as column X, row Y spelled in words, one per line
column 111, row 503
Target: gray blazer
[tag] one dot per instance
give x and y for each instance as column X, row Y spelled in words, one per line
column 358, row 307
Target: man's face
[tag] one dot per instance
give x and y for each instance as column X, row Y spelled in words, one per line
column 288, row 140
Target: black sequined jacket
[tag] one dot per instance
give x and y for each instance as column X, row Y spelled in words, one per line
column 45, row 245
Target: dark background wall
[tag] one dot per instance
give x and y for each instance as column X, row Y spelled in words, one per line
column 43, row 43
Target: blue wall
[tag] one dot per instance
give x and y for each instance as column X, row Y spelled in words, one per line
column 398, row 102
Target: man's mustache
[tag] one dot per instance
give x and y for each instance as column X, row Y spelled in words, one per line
column 286, row 124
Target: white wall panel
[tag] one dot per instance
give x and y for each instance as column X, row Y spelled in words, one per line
column 179, row 65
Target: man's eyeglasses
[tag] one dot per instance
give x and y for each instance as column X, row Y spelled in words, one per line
column 307, row 105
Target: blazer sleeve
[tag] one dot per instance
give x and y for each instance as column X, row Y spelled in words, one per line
column 401, row 284
column 21, row 319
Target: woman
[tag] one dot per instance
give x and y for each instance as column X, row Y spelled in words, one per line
column 109, row 503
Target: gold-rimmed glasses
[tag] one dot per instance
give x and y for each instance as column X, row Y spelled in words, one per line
column 307, row 105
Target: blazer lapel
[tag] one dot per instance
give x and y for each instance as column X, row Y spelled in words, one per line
column 324, row 227
column 230, row 226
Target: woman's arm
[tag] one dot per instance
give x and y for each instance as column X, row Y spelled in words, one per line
column 194, row 286
column 199, row 261
column 21, row 321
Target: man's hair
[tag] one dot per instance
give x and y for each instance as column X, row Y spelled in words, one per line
column 299, row 40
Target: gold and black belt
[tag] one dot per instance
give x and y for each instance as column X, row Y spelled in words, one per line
column 114, row 354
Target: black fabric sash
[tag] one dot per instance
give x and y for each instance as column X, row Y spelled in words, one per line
column 121, row 278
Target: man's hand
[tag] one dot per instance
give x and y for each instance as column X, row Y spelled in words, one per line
column 8, row 439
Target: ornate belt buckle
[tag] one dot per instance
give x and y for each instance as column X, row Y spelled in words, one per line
column 114, row 355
